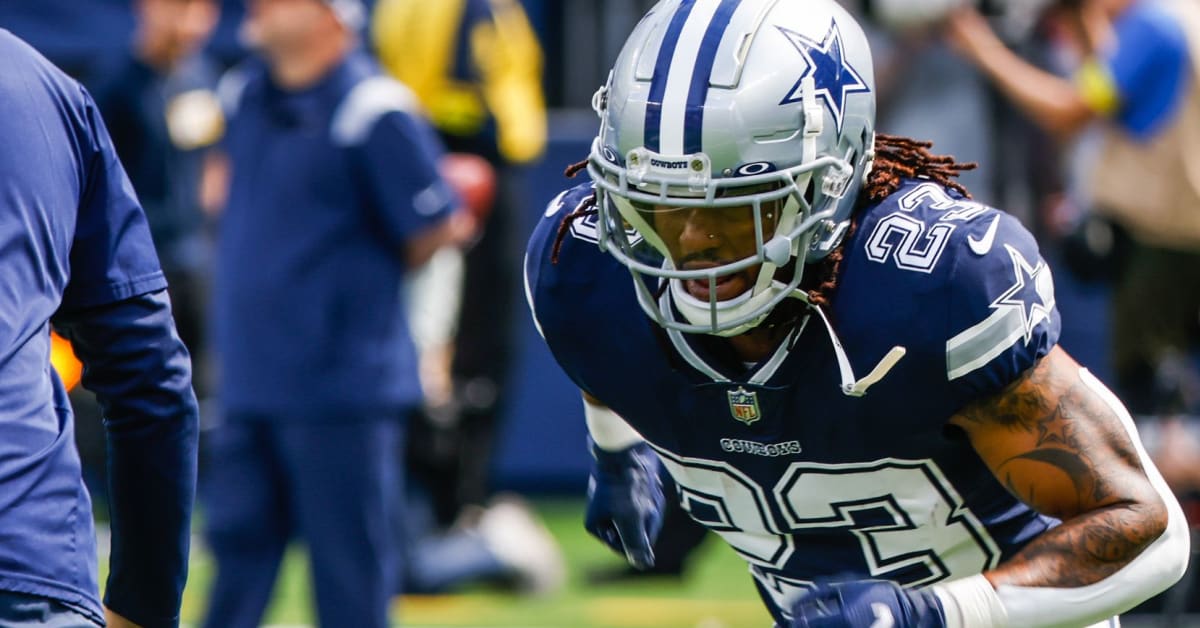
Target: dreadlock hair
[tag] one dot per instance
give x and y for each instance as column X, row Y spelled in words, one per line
column 586, row 208
column 896, row 158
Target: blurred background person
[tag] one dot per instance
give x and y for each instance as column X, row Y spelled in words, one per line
column 918, row 75
column 1135, row 90
column 505, row 543
column 159, row 100
column 476, row 67
column 78, row 256
column 1136, row 79
column 333, row 195
column 1135, row 98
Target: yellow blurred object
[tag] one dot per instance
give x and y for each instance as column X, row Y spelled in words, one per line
column 62, row 358
column 419, row 42
column 1098, row 88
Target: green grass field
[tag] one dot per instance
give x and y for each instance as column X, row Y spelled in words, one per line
column 717, row 592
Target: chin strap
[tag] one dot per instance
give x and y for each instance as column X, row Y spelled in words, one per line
column 852, row 387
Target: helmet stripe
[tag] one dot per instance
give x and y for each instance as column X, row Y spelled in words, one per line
column 679, row 76
column 662, row 68
column 693, row 129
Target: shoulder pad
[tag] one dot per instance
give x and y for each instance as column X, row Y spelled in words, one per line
column 1002, row 313
column 545, row 237
column 572, row 265
column 990, row 294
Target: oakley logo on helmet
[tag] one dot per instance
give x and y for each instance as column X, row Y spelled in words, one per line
column 758, row 167
column 610, row 155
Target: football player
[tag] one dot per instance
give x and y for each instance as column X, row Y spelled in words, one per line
column 849, row 368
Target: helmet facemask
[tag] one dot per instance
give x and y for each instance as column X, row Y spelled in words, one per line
column 758, row 223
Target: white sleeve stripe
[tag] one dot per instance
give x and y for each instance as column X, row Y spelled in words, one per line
column 366, row 103
column 229, row 90
column 1159, row 566
column 978, row 345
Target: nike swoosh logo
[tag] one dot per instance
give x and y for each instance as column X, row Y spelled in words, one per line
column 983, row 245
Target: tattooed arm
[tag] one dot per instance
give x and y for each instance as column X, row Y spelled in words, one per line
column 1059, row 448
column 1064, row 445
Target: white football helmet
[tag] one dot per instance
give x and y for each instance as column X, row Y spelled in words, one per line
column 766, row 104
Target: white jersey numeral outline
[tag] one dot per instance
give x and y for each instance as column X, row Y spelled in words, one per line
column 912, row 245
column 926, row 527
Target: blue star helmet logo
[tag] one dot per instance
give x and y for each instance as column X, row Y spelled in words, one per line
column 833, row 75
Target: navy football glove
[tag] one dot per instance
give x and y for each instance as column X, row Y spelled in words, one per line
column 625, row 501
column 867, row 604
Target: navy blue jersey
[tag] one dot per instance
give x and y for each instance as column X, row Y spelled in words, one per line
column 162, row 124
column 801, row 479
column 75, row 246
column 328, row 185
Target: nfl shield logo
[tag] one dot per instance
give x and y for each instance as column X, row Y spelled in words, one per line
column 743, row 405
